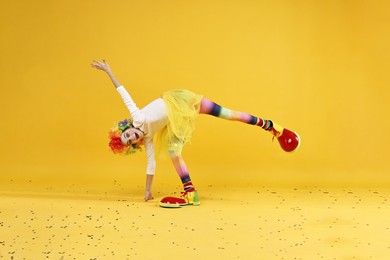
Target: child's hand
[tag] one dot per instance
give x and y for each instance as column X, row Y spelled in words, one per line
column 100, row 65
column 148, row 195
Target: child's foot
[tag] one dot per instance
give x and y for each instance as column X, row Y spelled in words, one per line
column 187, row 199
column 288, row 140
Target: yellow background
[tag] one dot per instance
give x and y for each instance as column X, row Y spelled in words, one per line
column 317, row 67
column 320, row 68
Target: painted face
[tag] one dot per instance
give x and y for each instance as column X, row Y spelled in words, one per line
column 132, row 136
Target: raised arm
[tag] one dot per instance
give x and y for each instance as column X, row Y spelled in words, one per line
column 135, row 112
column 105, row 67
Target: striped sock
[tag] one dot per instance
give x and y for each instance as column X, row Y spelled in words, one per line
column 265, row 124
column 188, row 186
column 182, row 171
column 211, row 108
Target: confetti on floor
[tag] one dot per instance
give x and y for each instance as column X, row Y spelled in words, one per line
column 254, row 223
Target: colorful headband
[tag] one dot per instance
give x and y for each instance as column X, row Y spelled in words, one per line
column 116, row 144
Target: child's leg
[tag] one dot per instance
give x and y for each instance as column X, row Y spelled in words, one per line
column 209, row 107
column 190, row 195
column 288, row 140
column 181, row 169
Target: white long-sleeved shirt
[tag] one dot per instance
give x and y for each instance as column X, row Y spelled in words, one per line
column 150, row 119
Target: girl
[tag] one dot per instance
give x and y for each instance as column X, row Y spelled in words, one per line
column 168, row 123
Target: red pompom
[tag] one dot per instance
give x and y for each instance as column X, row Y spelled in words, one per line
column 116, row 144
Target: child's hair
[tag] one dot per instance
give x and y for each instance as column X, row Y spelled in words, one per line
column 116, row 144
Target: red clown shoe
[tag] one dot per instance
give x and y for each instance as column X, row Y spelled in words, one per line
column 187, row 199
column 288, row 140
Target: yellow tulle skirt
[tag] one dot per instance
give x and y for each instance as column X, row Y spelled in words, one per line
column 183, row 109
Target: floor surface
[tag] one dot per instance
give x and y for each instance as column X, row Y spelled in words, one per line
column 254, row 223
